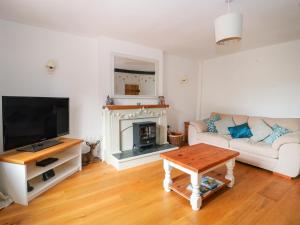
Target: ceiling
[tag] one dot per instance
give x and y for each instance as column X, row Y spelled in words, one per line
column 184, row 27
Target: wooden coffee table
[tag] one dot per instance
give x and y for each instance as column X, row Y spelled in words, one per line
column 195, row 161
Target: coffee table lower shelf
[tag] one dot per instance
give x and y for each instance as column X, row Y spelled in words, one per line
column 181, row 182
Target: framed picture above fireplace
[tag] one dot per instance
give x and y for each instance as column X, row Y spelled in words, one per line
column 134, row 77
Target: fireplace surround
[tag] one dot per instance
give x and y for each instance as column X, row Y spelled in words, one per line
column 117, row 145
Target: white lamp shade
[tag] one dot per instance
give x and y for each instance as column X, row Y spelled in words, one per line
column 228, row 26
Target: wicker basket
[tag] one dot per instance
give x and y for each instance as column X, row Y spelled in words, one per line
column 176, row 138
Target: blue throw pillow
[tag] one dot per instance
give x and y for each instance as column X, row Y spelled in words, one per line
column 211, row 123
column 240, row 131
column 277, row 132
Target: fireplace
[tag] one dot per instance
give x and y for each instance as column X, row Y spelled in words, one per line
column 144, row 134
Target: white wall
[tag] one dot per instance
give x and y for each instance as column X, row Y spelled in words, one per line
column 263, row 81
column 84, row 74
column 24, row 51
column 182, row 97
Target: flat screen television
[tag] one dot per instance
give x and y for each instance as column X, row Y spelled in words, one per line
column 31, row 120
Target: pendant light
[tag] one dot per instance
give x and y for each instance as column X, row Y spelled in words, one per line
column 228, row 26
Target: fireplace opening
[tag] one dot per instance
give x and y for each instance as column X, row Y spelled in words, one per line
column 144, row 134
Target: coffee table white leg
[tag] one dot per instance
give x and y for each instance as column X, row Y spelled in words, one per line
column 167, row 181
column 229, row 176
column 196, row 200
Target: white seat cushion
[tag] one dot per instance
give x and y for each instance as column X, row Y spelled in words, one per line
column 214, row 139
column 259, row 148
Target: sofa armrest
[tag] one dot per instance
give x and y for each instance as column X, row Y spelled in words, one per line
column 194, row 129
column 192, row 135
column 289, row 160
column 199, row 125
column 293, row 137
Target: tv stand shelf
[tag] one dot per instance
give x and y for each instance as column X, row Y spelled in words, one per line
column 18, row 168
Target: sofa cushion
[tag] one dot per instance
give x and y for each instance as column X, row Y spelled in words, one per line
column 214, row 139
column 260, row 130
column 199, row 125
column 277, row 132
column 240, row 131
column 237, row 119
column 292, row 124
column 223, row 124
column 258, row 148
column 286, row 139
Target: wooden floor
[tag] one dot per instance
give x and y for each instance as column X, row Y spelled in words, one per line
column 101, row 195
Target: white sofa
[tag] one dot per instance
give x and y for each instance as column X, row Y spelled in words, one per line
column 282, row 157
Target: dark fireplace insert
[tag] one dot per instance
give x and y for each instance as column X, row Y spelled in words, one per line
column 144, row 134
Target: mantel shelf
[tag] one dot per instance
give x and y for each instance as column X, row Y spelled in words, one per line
column 124, row 107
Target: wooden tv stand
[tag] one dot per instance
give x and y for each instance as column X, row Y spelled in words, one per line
column 18, row 168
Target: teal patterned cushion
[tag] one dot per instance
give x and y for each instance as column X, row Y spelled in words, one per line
column 277, row 132
column 211, row 123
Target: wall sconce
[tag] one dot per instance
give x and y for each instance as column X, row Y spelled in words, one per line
column 184, row 80
column 51, row 66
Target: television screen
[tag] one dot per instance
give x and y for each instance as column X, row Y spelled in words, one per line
column 28, row 120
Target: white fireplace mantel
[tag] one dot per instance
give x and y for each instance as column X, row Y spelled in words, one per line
column 117, row 127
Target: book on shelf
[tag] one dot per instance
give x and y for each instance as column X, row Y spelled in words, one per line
column 208, row 184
